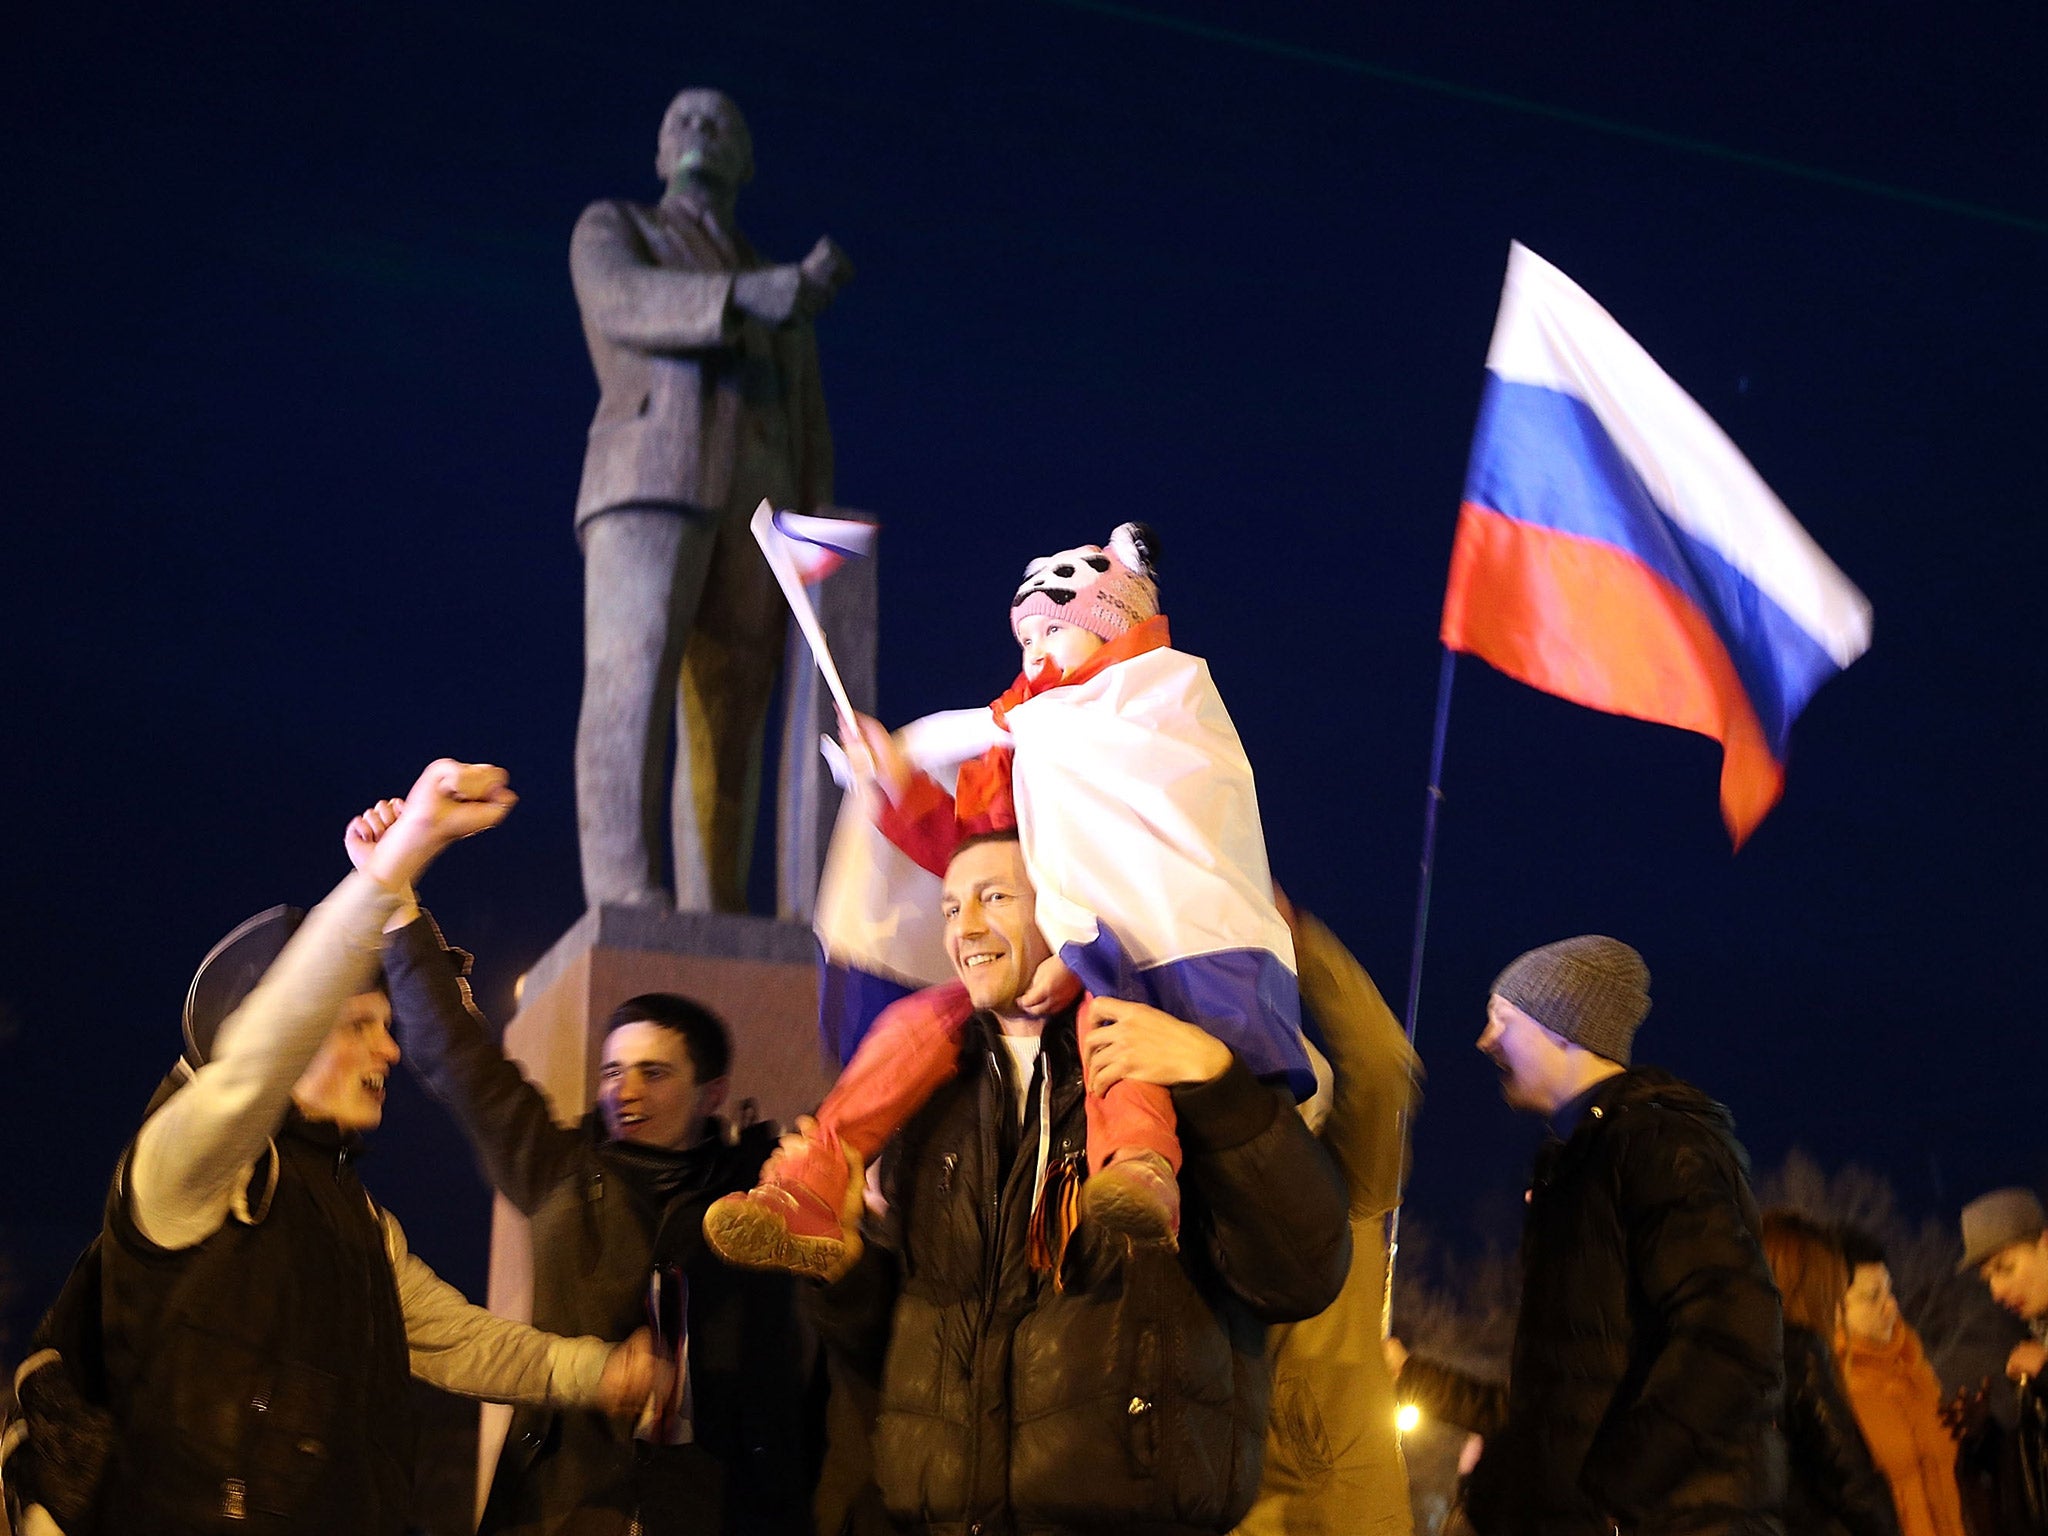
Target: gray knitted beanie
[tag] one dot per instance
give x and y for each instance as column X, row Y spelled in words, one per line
column 1592, row 990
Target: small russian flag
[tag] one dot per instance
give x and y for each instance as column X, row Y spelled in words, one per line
column 1616, row 549
column 818, row 546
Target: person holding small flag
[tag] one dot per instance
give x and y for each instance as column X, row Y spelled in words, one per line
column 1104, row 717
column 1129, row 1392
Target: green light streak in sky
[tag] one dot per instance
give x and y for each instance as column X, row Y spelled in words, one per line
column 1323, row 58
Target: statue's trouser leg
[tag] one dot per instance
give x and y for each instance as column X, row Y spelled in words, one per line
column 728, row 678
column 643, row 569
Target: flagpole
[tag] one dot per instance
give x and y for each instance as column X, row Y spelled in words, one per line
column 1433, row 799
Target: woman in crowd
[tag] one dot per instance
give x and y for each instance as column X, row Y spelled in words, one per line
column 1896, row 1396
column 1833, row 1489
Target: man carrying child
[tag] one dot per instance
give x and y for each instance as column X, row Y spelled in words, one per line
column 1113, row 1385
column 1117, row 768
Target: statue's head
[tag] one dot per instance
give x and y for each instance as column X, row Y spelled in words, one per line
column 703, row 137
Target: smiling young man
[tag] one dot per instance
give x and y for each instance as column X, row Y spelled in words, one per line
column 616, row 1205
column 662, row 1074
column 1039, row 1376
column 1647, row 1363
column 260, row 1314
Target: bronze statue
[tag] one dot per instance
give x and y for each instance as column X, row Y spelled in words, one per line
column 708, row 371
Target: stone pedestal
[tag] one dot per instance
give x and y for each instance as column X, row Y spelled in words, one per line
column 758, row 974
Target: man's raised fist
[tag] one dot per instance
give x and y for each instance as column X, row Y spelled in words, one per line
column 449, row 801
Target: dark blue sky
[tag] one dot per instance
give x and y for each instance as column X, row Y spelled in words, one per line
column 295, row 401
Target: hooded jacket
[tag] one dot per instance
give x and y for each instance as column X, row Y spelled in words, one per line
column 1130, row 1397
column 1647, row 1369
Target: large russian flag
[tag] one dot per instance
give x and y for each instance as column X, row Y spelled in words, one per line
column 1616, row 549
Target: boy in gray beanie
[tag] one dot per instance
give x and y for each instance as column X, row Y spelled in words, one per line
column 1648, row 1357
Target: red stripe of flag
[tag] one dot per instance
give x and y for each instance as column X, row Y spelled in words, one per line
column 1586, row 621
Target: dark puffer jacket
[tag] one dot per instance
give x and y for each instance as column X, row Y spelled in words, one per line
column 1835, row 1488
column 1134, row 1399
column 1647, row 1372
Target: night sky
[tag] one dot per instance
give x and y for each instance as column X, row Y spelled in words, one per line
column 296, row 396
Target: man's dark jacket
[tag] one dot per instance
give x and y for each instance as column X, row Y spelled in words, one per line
column 1647, row 1369
column 595, row 1232
column 1134, row 1398
column 2003, row 1473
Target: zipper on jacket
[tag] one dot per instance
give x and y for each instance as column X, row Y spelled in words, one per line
column 993, row 1091
column 994, row 1099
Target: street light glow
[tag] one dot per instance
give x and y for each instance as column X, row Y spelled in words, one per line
column 1406, row 1417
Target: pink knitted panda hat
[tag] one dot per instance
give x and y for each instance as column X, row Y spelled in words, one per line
column 1105, row 591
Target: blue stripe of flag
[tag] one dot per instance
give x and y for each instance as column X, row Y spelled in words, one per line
column 1543, row 457
column 1247, row 998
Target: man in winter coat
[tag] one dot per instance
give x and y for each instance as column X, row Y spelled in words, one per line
column 2005, row 1240
column 1333, row 1459
column 1647, row 1365
column 260, row 1314
column 1034, row 1374
column 616, row 1206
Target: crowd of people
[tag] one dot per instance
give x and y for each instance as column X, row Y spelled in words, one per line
column 1683, row 1362
column 1112, row 1267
